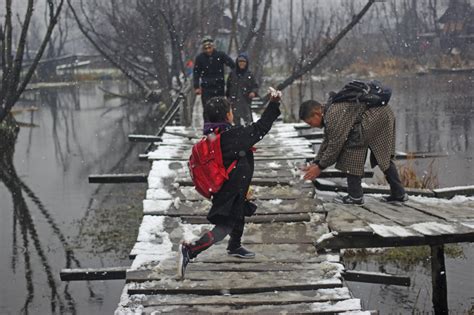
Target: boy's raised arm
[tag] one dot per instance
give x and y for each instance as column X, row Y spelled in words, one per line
column 253, row 133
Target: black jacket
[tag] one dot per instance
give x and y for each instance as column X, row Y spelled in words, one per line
column 210, row 70
column 236, row 143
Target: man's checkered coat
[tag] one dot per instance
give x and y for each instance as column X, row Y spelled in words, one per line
column 378, row 125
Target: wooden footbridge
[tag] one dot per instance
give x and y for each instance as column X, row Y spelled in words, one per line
column 296, row 233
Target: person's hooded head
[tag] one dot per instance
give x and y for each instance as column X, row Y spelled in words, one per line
column 242, row 62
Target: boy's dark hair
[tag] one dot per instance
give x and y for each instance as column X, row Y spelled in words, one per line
column 216, row 109
column 307, row 108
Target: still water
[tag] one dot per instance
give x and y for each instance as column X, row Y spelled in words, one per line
column 434, row 113
column 51, row 218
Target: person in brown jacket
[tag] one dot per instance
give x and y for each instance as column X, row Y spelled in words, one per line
column 354, row 121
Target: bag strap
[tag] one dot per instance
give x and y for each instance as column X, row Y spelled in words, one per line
column 231, row 167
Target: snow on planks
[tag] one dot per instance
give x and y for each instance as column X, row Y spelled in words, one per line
column 286, row 275
column 420, row 221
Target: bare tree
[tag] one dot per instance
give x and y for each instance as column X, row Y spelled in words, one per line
column 308, row 66
column 13, row 82
column 147, row 40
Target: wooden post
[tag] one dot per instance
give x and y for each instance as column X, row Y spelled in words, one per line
column 438, row 275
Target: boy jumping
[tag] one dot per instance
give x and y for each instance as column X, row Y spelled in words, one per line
column 229, row 204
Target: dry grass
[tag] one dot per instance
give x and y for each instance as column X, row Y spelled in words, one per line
column 382, row 66
column 410, row 179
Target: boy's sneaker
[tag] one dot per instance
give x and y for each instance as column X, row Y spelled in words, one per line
column 391, row 198
column 184, row 253
column 348, row 200
column 241, row 252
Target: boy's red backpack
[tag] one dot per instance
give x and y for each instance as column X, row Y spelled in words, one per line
column 206, row 165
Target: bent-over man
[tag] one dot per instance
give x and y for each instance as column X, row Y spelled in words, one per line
column 355, row 119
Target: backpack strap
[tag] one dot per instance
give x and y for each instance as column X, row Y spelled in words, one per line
column 231, row 167
column 233, row 164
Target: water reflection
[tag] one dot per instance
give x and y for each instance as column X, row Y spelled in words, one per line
column 24, row 232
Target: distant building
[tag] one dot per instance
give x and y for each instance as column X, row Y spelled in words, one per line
column 457, row 26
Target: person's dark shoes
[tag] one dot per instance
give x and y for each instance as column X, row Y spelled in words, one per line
column 391, row 198
column 184, row 256
column 348, row 200
column 241, row 252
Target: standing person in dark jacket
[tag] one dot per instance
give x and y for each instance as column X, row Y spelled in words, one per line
column 230, row 204
column 241, row 88
column 208, row 73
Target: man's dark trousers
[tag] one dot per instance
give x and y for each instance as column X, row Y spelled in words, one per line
column 354, row 183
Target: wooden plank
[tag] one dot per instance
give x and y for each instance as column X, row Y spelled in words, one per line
column 258, row 219
column 399, row 155
column 341, row 220
column 265, row 253
column 453, row 191
column 250, row 266
column 143, row 138
column 438, row 280
column 443, row 211
column 375, row 277
column 272, row 298
column 117, row 178
column 190, row 208
column 216, row 278
column 233, row 286
column 286, row 173
column 367, row 216
column 189, row 193
column 366, row 241
column 400, row 215
column 351, row 306
column 333, row 173
column 326, row 185
column 312, row 133
column 256, row 181
column 110, row 273
column 165, row 156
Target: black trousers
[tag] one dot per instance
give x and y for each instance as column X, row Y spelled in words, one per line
column 354, row 183
column 206, row 95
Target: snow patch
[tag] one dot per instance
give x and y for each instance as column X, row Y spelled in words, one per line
column 389, row 231
column 156, row 206
column 346, row 305
column 158, row 194
column 275, row 201
column 433, row 228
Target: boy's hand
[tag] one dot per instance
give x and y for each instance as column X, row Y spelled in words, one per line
column 198, row 91
column 311, row 172
column 275, row 95
column 252, row 95
column 249, row 195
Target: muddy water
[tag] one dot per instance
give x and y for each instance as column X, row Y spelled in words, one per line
column 51, row 218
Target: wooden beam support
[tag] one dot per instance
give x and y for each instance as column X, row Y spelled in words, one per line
column 117, row 178
column 438, row 280
column 112, row 273
column 375, row 277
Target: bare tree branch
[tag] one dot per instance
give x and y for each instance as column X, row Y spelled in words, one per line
column 330, row 46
